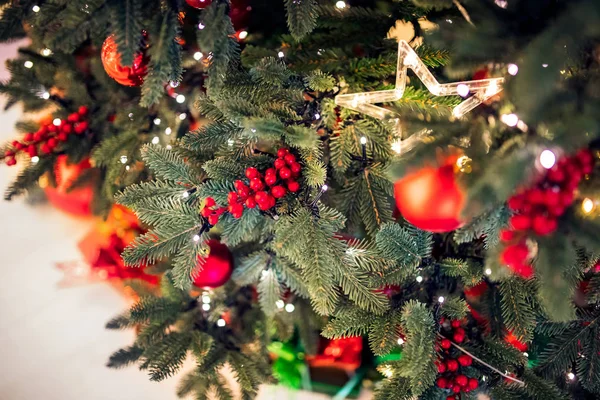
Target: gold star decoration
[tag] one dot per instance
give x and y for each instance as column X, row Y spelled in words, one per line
column 474, row 92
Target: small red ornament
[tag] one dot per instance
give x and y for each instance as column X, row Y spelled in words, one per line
column 431, row 199
column 446, row 344
column 214, row 270
column 442, row 383
column 462, row 380
column 473, row 384
column 198, row 3
column 128, row 76
column 465, row 360
column 452, row 365
column 278, row 192
column 77, row 201
column 293, row 186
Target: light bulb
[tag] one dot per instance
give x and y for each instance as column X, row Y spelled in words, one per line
column 510, row 119
column 123, row 159
column 168, row 130
column 127, row 168
column 155, row 140
column 441, row 299
column 185, row 194
column 547, row 159
column 363, row 140
column 587, row 205
column 180, row 98
column 526, row 354
column 35, row 9
column 289, row 307
column 400, row 341
column 201, row 26
column 28, row 64
column 544, row 65
column 488, row 271
column 243, row 35
column 340, row 4
column 56, row 122
column 324, row 188
column 182, row 116
column 317, row 116
column 280, row 304
column 206, row 307
column 196, row 238
column 205, row 298
column 221, row 322
column 571, row 376
column 513, row 69
column 462, row 90
column 419, row 279
column 174, row 84
column 45, row 95
column 46, row 52
column 198, row 56
column 397, row 146
column 156, row 121
column 35, row 159
column 280, row 54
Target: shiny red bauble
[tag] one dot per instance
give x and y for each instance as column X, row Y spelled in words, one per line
column 431, row 199
column 214, row 270
column 128, row 76
column 77, row 201
column 198, row 3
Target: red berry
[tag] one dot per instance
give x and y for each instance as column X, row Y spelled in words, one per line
column 450, row 398
column 44, row 148
column 11, row 161
column 473, row 384
column 67, row 128
column 452, row 365
column 446, row 344
column 210, row 202
column 271, row 171
column 458, row 337
column 83, row 110
column 465, row 360
column 282, row 152
column 285, row 173
column 206, row 212
column 81, row 127
column 232, row 198
column 441, row 368
column 551, row 197
column 442, row 383
column 556, row 175
column 252, row 172
column 73, row 117
column 456, row 389
column 51, row 128
column 278, row 191
column 237, row 214
column 236, row 209
column 455, row 324
column 506, row 235
column 261, row 197
column 244, row 191
column 293, row 186
column 62, row 136
column 543, row 225
column 256, row 184
column 9, row 153
column 267, row 204
column 515, row 203
column 462, row 380
column 296, row 168
column 28, row 137
column 250, row 202
column 523, row 270
column 213, row 219
column 239, row 184
column 32, row 150
column 279, row 163
column 535, row 196
column 515, row 254
column 289, row 159
column 39, row 135
column 566, row 198
column 52, row 142
column 520, row 222
column 270, row 179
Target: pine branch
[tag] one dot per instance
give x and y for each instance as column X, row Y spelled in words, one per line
column 301, row 16
column 269, row 292
column 126, row 25
column 125, row 357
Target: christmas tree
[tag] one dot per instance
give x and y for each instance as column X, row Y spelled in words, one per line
column 435, row 195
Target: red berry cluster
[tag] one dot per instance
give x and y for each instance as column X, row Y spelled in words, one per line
column 450, row 367
column 538, row 208
column 262, row 191
column 49, row 136
column 211, row 211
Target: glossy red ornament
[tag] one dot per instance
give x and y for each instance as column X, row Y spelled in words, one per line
column 77, row 201
column 214, row 270
column 431, row 199
column 128, row 76
column 198, row 3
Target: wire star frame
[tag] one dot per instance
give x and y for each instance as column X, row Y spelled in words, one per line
column 475, row 92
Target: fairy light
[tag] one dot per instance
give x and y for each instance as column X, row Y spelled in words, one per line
column 462, row 90
column 280, row 54
column 419, row 279
column 35, row 159
column 28, row 64
column 173, row 84
column 56, row 122
column 526, row 354
column 198, row 56
column 127, row 168
column 317, row 116
column 547, row 159
column 544, row 65
column 397, row 146
column 180, row 98
column 201, row 26
column 513, row 69
column 45, row 95
column 280, row 304
column 221, row 322
column 35, row 8
column 441, row 299
column 185, row 195
column 488, row 271
column 501, row 3
column 230, row 142
column 206, row 307
column 205, row 298
column 587, row 205
column 400, row 341
column 168, row 130
column 155, row 140
column 510, row 119
column 387, row 371
column 123, row 159
column 157, row 121
column 46, row 52
column 363, row 140
column 290, row 307
column 196, row 238
column 182, row 116
column 340, row 5
column 571, row 376
column 243, row 35
column 169, row 147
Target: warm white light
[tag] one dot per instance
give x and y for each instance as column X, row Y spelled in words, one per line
column 35, row 8
column 155, row 140
column 545, row 65
column 280, row 304
column 185, row 194
column 462, row 90
column 419, row 279
column 397, row 146
column 501, row 3
column 547, row 159
column 317, row 116
column 340, row 4
column 513, row 69
column 526, row 354
column 168, row 130
column 280, row 54
column 206, row 307
column 324, row 188
column 243, row 35
column 35, row 159
column 169, row 147
column 127, row 167
column 180, row 98
column 400, row 341
column 201, row 26
column 156, row 121
column 174, row 84
column 198, row 56
column 130, row 115
column 587, row 205
column 205, row 298
column 230, row 142
column 289, row 307
column 510, row 119
column 28, row 64
column 571, row 376
column 488, row 271
column 196, row 238
column 46, row 52
column 45, row 95
column 56, row 122
column 123, row 159
column 221, row 322
column 363, row 140
column 182, row 116
column 441, row 299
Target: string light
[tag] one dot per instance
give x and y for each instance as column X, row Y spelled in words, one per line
column 280, row 304
column 123, row 159
column 169, row 147
column 243, row 35
column 46, row 52
column 526, row 354
column 280, row 54
column 317, row 116
column 513, row 69
column 400, row 341
column 547, row 159
column 230, row 142
column 56, row 122
column 587, row 205
column 198, row 56
column 501, row 3
column 168, row 130
column 221, row 322
column 196, row 238
column 544, row 65
column 363, row 140
column 180, row 98
column 201, row 26
column 185, row 194
column 35, row 8
column 156, row 121
column 419, row 279
column 510, row 119
column 488, row 271
column 173, row 84
column 340, row 4
column 155, row 140
column 441, row 299
column 182, row 116
column 205, row 298
column 35, row 159
column 571, row 376
column 127, row 168
column 206, row 307
column 45, row 95
column 289, row 307
column 397, row 146
column 462, row 90
column 28, row 64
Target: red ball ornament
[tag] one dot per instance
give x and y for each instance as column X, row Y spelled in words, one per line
column 214, row 270
column 77, row 201
column 198, row 3
column 128, row 76
column 431, row 199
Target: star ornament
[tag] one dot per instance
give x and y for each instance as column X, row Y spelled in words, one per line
column 475, row 92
